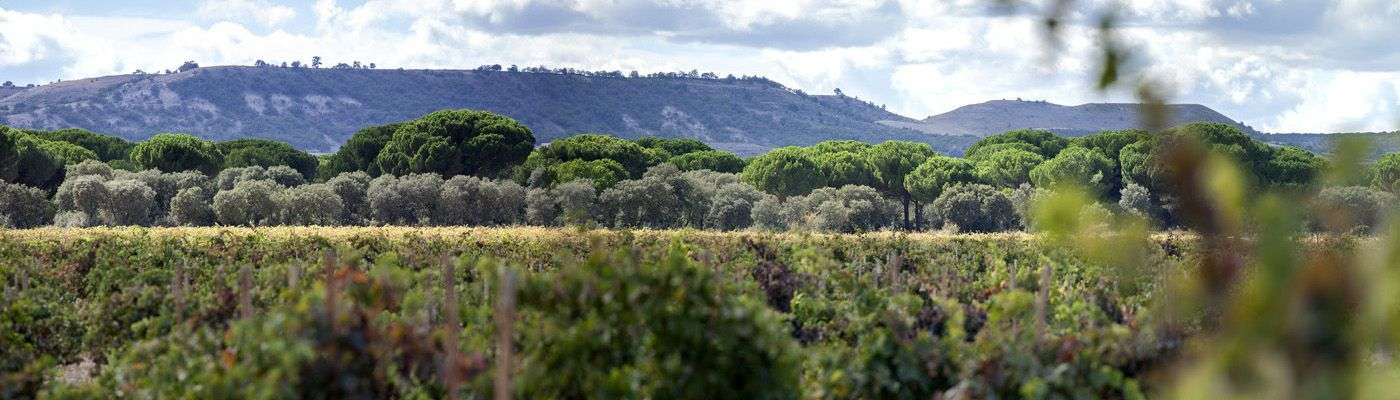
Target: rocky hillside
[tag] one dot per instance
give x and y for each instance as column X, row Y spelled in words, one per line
column 318, row 109
column 1003, row 115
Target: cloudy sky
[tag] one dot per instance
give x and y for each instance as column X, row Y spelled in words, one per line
column 1278, row 65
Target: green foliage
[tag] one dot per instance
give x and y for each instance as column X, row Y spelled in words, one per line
column 104, row 147
column 624, row 326
column 267, row 153
column 1351, row 209
column 1111, row 143
column 786, row 171
column 456, row 142
column 1385, row 174
column 987, row 150
column 674, row 146
column 9, row 154
column 1079, row 167
column 714, row 160
column 975, row 208
column 176, row 152
column 23, row 206
column 590, row 147
column 360, row 151
column 36, row 165
column 1046, row 144
column 893, row 160
column 602, row 173
column 1007, row 168
column 937, row 173
column 841, row 168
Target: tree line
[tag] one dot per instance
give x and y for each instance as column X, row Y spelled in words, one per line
column 465, row 167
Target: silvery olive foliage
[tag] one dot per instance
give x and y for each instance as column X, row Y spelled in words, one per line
column 408, row 200
column 191, row 207
column 23, row 206
column 249, row 203
column 309, row 205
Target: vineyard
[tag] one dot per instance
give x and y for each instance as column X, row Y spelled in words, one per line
column 420, row 312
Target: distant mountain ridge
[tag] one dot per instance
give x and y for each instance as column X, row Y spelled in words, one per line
column 998, row 116
column 318, row 109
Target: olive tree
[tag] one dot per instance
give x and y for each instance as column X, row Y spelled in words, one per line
column 249, row 203
column 352, row 188
column 408, row 200
column 23, row 206
column 191, row 207
column 732, row 207
column 129, row 202
column 309, row 205
column 641, row 203
column 975, row 208
column 469, row 200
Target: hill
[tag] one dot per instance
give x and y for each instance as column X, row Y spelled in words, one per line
column 318, row 109
column 998, row 116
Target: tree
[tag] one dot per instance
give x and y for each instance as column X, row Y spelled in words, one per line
column 359, row 153
column 785, row 171
column 351, row 187
column 1007, row 168
column 732, row 207
column 309, row 205
column 130, row 203
column 456, row 142
column 975, row 208
column 175, row 152
column 893, row 160
column 982, row 152
column 1077, row 166
column 1292, row 167
column 714, row 160
column 592, row 146
column 407, row 200
column 642, row 203
column 250, row 203
column 187, row 66
column 928, row 181
column 1047, row 144
column 602, row 174
column 673, row 146
column 1351, row 209
column 1385, row 173
column 104, row 147
column 191, row 207
column 267, row 153
column 473, row 201
column 36, row 164
column 9, row 155
column 841, row 168
column 23, row 206
column 315, row 61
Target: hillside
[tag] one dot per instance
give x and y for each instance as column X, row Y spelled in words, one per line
column 318, row 109
column 998, row 116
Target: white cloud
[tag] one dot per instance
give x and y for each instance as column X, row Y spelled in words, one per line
column 259, row 11
column 919, row 56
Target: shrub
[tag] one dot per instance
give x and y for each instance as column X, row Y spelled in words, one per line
column 769, row 213
column 174, row 152
column 975, row 208
column 628, row 327
column 1137, row 200
column 1351, row 209
column 24, row 206
column 249, row 203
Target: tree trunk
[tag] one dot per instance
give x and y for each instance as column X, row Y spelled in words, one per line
column 918, row 216
column 905, row 197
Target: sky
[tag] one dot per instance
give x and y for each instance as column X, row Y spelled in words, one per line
column 1277, row 65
